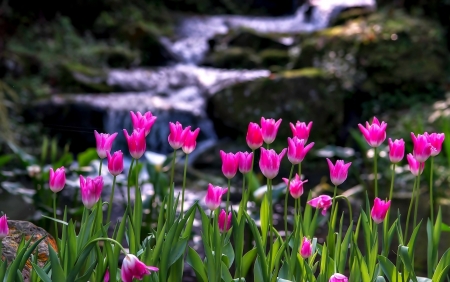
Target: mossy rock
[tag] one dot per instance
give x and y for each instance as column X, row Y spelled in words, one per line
column 249, row 38
column 233, row 58
column 84, row 77
column 274, row 58
column 305, row 94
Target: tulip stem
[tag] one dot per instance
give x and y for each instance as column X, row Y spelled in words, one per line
column 54, row 215
column 100, row 168
column 386, row 220
column 409, row 210
column 107, row 239
column 431, row 191
column 375, row 169
column 184, row 183
column 416, row 205
column 269, row 188
column 111, row 197
column 286, row 203
column 348, row 204
column 171, row 187
column 227, row 204
column 128, row 186
column 248, row 188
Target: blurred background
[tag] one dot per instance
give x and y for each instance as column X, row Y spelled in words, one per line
column 69, row 68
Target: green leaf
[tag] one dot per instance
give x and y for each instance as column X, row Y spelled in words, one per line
column 86, row 157
column 264, row 216
column 57, row 271
column 41, row 273
column 248, row 260
column 194, row 260
column 259, row 247
column 445, row 227
column 55, row 219
column 4, row 159
column 388, row 268
column 380, row 279
column 442, row 267
column 406, row 259
column 177, row 250
column 229, row 253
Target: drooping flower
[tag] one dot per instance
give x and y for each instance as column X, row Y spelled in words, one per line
column 436, row 140
column 190, row 142
column 374, row 133
column 136, row 143
column 322, row 202
column 245, row 161
column 338, row 172
column 214, row 196
column 396, row 150
column 224, row 221
column 132, row 267
column 104, row 143
column 306, row 249
column 143, row 121
column 177, row 135
column 230, row 163
column 57, row 179
column 115, row 162
column 415, row 166
column 301, row 130
column 254, row 136
column 379, row 210
column 269, row 129
column 337, row 277
column 4, row 230
column 422, row 148
column 297, row 150
column 269, row 163
column 296, row 186
column 91, row 190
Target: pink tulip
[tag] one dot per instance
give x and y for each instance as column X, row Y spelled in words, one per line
column 296, row 186
column 245, row 161
column 297, row 150
column 132, row 267
column 177, row 135
column 379, row 210
column 396, row 150
column 191, row 141
column 337, row 277
column 115, row 163
column 436, row 140
column 104, row 143
column 214, row 196
column 57, row 179
column 144, row 122
column 375, row 134
column 254, row 136
column 224, row 221
column 136, row 143
column 230, row 163
column 4, row 230
column 269, row 163
column 338, row 172
column 322, row 202
column 269, row 129
column 91, row 190
column 422, row 148
column 106, row 277
column 415, row 166
column 301, row 130
column 306, row 249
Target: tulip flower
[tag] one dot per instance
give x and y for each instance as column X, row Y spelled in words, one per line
column 254, row 136
column 115, row 162
column 269, row 163
column 245, row 161
column 57, row 179
column 269, row 129
column 136, row 142
column 296, row 186
column 338, row 172
column 132, row 267
column 190, row 142
column 4, row 230
column 422, row 148
column 104, row 143
column 379, row 210
column 144, row 122
column 396, row 150
column 91, row 190
column 177, row 135
column 214, row 196
column 297, row 150
column 106, row 277
column 337, row 277
column 436, row 140
column 322, row 202
column 375, row 134
column 230, row 163
column 306, row 248
column 224, row 221
column 415, row 166
column 301, row 130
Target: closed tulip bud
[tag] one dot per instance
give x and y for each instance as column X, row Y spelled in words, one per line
column 338, row 172
column 224, row 221
column 296, row 186
column 177, row 135
column 132, row 267
column 306, row 249
column 375, row 134
column 245, row 161
column 396, row 150
column 301, row 130
column 91, row 190
column 136, row 143
column 269, row 163
column 322, row 202
column 57, row 179
column 104, row 143
column 337, row 277
column 415, row 166
column 422, row 148
column 191, row 141
column 115, row 163
column 254, row 136
column 269, row 129
column 4, row 230
column 230, row 163
column 436, row 140
column 379, row 210
column 214, row 196
column 143, row 121
column 297, row 150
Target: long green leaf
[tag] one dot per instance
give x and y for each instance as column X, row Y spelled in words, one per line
column 194, row 260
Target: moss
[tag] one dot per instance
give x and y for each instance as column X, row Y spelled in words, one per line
column 274, row 57
column 233, row 58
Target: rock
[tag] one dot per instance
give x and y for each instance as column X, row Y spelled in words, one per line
column 305, row 94
column 27, row 230
column 233, row 58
